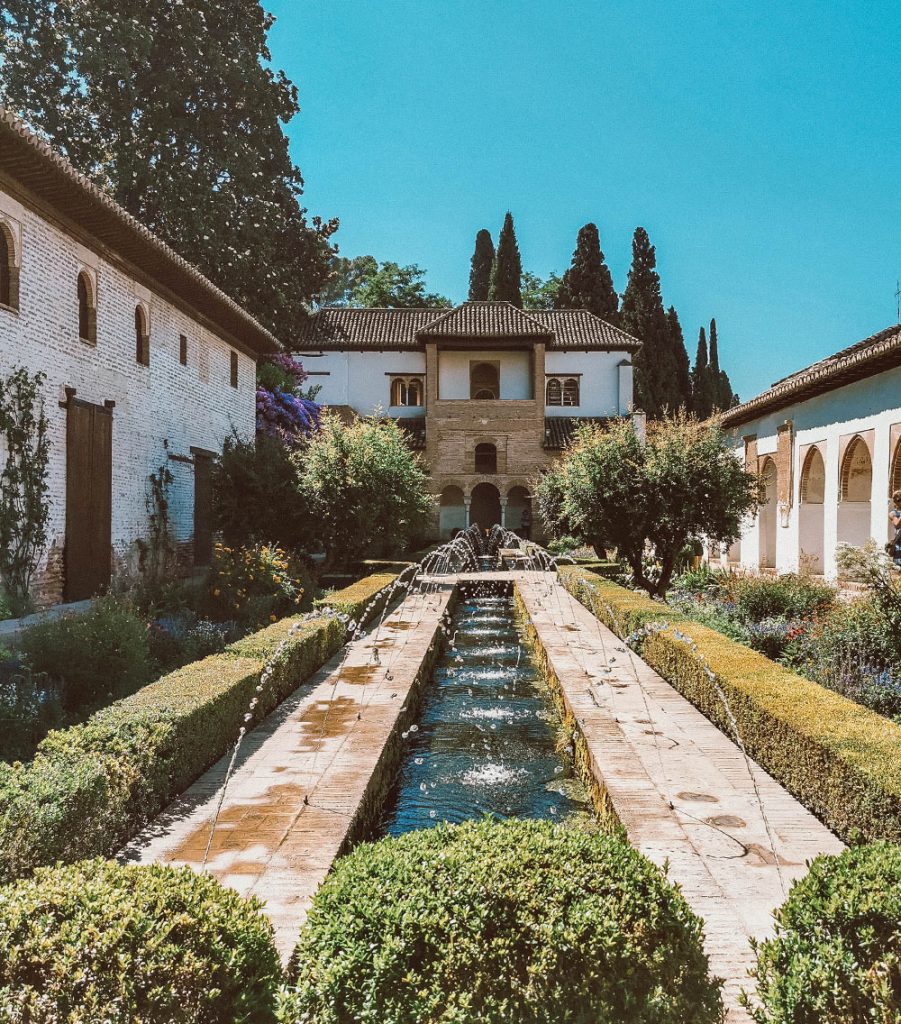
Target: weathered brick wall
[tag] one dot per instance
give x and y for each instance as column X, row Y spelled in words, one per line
column 161, row 410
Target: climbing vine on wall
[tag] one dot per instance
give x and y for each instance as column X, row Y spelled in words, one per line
column 24, row 508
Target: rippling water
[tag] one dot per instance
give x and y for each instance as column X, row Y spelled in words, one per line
column 485, row 742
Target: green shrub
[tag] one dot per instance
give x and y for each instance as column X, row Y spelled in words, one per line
column 95, row 655
column 90, row 788
column 836, row 954
column 96, row 941
column 839, row 759
column 254, row 583
column 768, row 597
column 509, row 922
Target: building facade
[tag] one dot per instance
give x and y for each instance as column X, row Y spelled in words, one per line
column 488, row 393
column 147, row 365
column 826, row 444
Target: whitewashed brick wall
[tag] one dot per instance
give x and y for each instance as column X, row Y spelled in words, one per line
column 161, row 410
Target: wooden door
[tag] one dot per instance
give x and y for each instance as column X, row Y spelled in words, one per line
column 89, row 498
column 203, row 509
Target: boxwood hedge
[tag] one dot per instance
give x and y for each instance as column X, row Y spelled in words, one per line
column 96, row 941
column 836, row 954
column 91, row 787
column 839, row 759
column 515, row 922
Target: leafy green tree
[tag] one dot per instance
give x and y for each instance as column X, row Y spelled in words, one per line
column 346, row 276
column 506, row 280
column 539, row 293
column 614, row 489
column 680, row 358
column 481, row 267
column 643, row 316
column 588, row 284
column 174, row 109
column 395, row 287
column 361, row 485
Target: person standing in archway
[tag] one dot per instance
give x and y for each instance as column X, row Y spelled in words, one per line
column 525, row 523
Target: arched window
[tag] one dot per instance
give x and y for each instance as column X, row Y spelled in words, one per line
column 142, row 337
column 486, row 459
column 895, row 475
column 857, row 472
column 406, row 391
column 87, row 310
column 484, row 381
column 813, row 478
column 553, row 392
column 571, row 391
column 9, row 271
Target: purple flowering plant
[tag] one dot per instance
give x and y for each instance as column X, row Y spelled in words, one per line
column 284, row 408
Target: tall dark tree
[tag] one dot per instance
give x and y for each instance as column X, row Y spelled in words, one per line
column 174, row 109
column 506, row 281
column 587, row 284
column 714, row 358
column 643, row 316
column 481, row 267
column 701, row 397
column 723, row 396
column 680, row 358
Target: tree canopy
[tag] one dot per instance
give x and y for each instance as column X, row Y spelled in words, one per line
column 614, row 489
column 506, row 280
column 363, row 281
column 539, row 292
column 481, row 267
column 173, row 109
column 588, row 284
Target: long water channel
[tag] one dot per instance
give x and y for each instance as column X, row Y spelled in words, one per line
column 486, row 740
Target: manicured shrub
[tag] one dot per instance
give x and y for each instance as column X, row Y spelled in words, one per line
column 96, row 941
column 836, row 954
column 97, row 654
column 839, row 759
column 512, row 922
column 789, row 596
column 90, row 788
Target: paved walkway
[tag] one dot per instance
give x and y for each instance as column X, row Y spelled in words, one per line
column 684, row 792
column 303, row 776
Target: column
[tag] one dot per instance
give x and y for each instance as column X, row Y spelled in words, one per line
column 504, row 512
column 467, row 501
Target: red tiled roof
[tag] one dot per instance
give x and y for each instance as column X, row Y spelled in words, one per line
column 341, row 328
column 559, row 430
column 865, row 358
column 28, row 160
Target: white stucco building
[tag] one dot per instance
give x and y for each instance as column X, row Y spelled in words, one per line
column 147, row 364
column 487, row 392
column 826, row 443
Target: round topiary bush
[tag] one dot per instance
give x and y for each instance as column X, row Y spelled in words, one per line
column 99, row 942
column 506, row 922
column 836, row 954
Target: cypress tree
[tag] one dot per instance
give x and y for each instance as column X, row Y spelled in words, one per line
column 588, row 284
column 481, row 267
column 716, row 398
column 680, row 358
column 700, row 380
column 643, row 316
column 506, row 281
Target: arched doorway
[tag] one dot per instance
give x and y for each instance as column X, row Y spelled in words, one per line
column 451, row 512
column 484, row 381
column 518, row 501
column 486, row 505
column 769, row 478
column 895, row 474
column 856, row 492
column 811, row 524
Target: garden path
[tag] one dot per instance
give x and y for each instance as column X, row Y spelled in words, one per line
column 734, row 839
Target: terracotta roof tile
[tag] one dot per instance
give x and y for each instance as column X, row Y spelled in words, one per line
column 338, row 328
column 863, row 359
column 31, row 162
column 559, row 430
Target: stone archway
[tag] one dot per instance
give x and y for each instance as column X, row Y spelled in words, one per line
column 856, row 491
column 769, row 478
column 486, row 505
column 518, row 501
column 811, row 541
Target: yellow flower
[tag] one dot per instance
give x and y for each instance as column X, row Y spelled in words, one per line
column 216, row 592
column 272, row 618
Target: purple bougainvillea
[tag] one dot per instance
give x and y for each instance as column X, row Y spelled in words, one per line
column 284, row 410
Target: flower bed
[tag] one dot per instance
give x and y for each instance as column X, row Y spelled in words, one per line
column 91, row 787
column 841, row 760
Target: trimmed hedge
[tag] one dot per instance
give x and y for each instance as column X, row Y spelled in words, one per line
column 514, row 922
column 92, row 787
column 839, row 759
column 836, row 954
column 96, row 941
column 353, row 600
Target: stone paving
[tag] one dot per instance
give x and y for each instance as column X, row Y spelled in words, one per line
column 684, row 792
column 303, row 775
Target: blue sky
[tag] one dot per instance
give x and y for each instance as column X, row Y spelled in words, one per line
column 758, row 143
